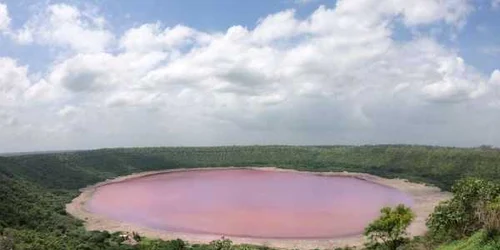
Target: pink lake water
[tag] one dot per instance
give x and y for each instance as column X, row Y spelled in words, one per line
column 247, row 203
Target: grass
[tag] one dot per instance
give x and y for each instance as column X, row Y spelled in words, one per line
column 478, row 241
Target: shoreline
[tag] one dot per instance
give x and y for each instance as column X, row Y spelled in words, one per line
column 425, row 199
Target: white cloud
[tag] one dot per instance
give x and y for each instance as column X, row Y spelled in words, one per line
column 494, row 82
column 279, row 25
column 96, row 77
column 68, row 27
column 456, row 83
column 335, row 76
column 414, row 12
column 4, row 17
column 495, row 77
column 13, row 82
column 150, row 37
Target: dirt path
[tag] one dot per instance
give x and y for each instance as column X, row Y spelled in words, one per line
column 425, row 199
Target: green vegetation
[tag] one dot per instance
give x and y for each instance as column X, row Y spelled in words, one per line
column 472, row 207
column 478, row 241
column 435, row 165
column 389, row 230
column 489, row 215
column 472, row 212
column 35, row 188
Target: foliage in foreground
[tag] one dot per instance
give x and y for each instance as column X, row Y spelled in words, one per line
column 389, row 230
column 478, row 241
column 474, row 206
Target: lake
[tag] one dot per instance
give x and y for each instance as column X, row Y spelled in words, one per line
column 247, row 203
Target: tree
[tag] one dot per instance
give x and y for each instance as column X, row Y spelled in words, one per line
column 177, row 244
column 389, row 230
column 222, row 244
column 460, row 216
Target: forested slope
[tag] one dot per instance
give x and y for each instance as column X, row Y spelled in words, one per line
column 437, row 165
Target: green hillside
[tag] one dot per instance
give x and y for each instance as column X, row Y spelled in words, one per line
column 436, row 165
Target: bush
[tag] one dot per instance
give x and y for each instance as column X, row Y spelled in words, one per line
column 222, row 244
column 389, row 230
column 461, row 216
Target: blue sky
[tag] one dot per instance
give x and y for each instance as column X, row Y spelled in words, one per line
column 85, row 74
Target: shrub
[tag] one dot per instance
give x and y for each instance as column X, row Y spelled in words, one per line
column 222, row 244
column 460, row 216
column 389, row 230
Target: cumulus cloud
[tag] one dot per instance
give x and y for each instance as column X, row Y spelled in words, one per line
column 455, row 83
column 68, row 27
column 13, row 82
column 4, row 17
column 413, row 12
column 151, row 37
column 279, row 25
column 495, row 77
column 334, row 76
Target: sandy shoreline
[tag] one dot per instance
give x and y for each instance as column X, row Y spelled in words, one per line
column 425, row 199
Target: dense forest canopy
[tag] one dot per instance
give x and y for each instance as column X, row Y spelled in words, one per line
column 34, row 188
column 437, row 165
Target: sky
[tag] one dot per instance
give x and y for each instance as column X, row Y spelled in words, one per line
column 110, row 73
